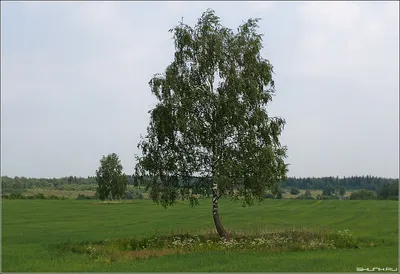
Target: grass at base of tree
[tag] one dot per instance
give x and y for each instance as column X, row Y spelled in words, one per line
column 31, row 227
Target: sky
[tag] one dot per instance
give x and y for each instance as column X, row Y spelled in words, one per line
column 74, row 81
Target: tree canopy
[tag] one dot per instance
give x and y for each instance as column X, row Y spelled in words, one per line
column 112, row 182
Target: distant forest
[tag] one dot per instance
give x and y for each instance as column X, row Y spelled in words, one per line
column 349, row 183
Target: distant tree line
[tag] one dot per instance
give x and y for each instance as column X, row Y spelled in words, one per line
column 8, row 183
column 349, row 183
column 372, row 187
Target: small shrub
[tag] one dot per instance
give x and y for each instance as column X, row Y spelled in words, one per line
column 86, row 197
column 40, row 196
column 16, row 195
column 343, row 239
column 333, row 197
column 322, row 197
column 279, row 196
column 133, row 194
column 304, row 197
column 294, row 191
column 269, row 196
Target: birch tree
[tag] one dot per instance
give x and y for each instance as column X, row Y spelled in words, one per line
column 210, row 129
column 111, row 180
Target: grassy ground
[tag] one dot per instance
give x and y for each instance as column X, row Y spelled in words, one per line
column 31, row 228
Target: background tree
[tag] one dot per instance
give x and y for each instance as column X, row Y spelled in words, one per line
column 111, row 180
column 363, row 194
column 211, row 120
column 389, row 191
column 342, row 191
column 328, row 190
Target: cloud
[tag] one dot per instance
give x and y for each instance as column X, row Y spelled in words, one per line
column 343, row 37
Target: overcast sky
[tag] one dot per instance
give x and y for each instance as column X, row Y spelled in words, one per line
column 74, row 81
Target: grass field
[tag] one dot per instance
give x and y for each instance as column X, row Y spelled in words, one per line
column 31, row 229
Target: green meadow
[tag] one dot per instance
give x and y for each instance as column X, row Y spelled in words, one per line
column 34, row 230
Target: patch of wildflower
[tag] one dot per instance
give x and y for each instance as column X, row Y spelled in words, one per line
column 90, row 250
column 276, row 241
column 188, row 243
column 271, row 241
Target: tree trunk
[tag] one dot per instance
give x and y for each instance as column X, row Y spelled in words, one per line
column 218, row 225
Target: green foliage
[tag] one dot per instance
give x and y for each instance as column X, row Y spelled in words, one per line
column 342, row 191
column 10, row 185
column 344, row 239
column 211, row 119
column 279, row 195
column 328, row 191
column 305, row 197
column 389, row 191
column 294, row 191
column 112, row 182
column 269, row 196
column 353, row 182
column 363, row 194
column 133, row 194
column 77, row 187
column 87, row 197
column 333, row 197
column 15, row 195
column 40, row 196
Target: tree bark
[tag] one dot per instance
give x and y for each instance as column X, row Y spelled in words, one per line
column 218, row 225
